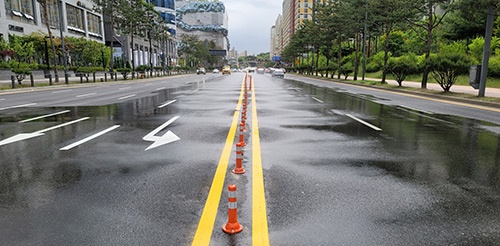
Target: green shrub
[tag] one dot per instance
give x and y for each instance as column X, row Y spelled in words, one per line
column 142, row 68
column 494, row 66
column 402, row 66
column 124, row 71
column 21, row 72
column 375, row 63
column 446, row 67
column 346, row 69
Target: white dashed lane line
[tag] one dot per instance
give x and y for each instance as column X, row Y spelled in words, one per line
column 364, row 122
column 87, row 95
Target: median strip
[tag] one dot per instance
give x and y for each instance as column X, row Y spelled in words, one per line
column 206, row 225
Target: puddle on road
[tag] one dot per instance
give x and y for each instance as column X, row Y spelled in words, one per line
column 442, row 147
column 31, row 170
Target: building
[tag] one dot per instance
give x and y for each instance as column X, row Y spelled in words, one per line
column 205, row 20
column 23, row 17
column 160, row 52
column 294, row 13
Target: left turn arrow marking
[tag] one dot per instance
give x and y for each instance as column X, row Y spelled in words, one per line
column 168, row 137
column 24, row 136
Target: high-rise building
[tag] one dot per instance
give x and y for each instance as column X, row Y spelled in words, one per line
column 23, row 17
column 205, row 20
column 294, row 13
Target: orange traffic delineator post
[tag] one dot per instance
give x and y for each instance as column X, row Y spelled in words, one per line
column 242, row 134
column 243, row 122
column 250, row 87
column 232, row 226
column 238, row 169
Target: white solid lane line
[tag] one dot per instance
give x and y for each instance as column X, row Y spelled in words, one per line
column 364, row 122
column 167, row 103
column 89, row 138
column 44, row 116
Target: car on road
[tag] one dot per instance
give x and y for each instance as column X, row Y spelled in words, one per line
column 278, row 73
column 201, row 70
column 215, row 71
column 260, row 70
column 226, row 70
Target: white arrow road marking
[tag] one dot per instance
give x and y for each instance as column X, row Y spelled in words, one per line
column 168, row 137
column 20, row 137
column 89, row 138
column 24, row 136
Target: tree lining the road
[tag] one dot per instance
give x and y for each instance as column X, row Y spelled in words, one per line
column 394, row 28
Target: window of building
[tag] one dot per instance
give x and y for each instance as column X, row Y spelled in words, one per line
column 169, row 18
column 164, row 3
column 53, row 14
column 94, row 25
column 20, row 10
column 75, row 19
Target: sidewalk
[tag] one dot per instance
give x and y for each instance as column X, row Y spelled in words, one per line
column 490, row 92
column 99, row 77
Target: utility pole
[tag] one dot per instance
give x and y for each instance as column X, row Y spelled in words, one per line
column 486, row 51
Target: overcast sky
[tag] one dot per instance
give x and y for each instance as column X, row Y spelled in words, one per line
column 250, row 23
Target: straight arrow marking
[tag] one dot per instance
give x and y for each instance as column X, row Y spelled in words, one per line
column 24, row 136
column 168, row 137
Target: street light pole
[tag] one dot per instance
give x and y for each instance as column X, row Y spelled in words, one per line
column 47, row 55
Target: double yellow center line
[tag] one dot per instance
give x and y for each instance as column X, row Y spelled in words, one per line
column 259, row 215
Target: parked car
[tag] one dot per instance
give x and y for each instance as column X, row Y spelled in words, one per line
column 201, row 70
column 278, row 73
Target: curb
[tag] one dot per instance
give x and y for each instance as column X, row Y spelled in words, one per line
column 429, row 95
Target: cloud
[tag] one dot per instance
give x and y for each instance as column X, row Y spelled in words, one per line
column 250, row 23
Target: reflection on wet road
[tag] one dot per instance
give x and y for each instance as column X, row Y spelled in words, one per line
column 340, row 167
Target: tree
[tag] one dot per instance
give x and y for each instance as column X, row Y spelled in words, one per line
column 110, row 10
column 402, row 66
column 446, row 67
column 386, row 15
column 427, row 9
column 45, row 12
column 23, row 49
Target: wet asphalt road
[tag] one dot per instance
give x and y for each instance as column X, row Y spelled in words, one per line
column 430, row 176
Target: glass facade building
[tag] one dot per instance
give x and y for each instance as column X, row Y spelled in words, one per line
column 166, row 8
